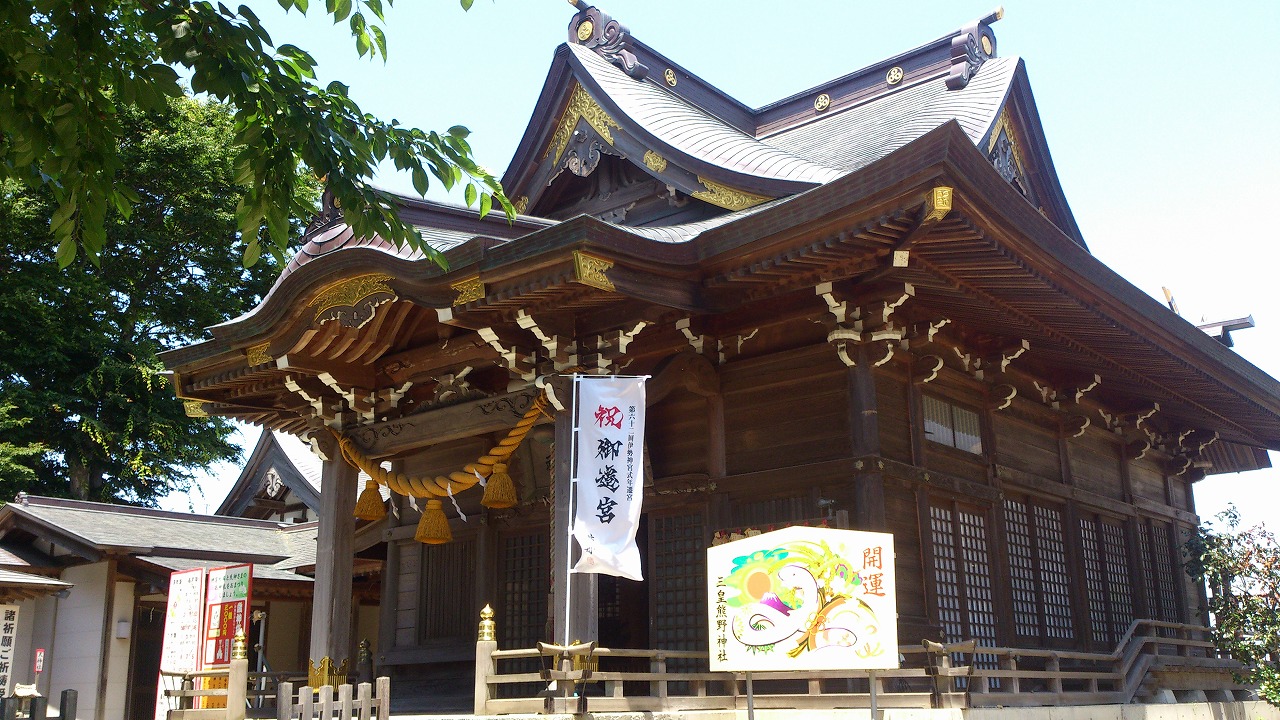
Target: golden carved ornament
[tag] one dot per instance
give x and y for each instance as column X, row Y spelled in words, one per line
column 670, row 76
column 822, row 102
column 894, row 76
column 469, row 290
column 352, row 301
column 727, row 197
column 654, row 161
column 488, row 628
column 326, row 673
column 1005, row 123
column 259, row 354
column 194, row 408
column 590, row 270
column 581, row 106
column 585, row 30
column 938, row 203
column 521, row 204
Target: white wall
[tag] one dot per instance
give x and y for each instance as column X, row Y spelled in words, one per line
column 118, row 654
column 73, row 658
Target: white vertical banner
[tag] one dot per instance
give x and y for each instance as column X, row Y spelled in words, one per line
column 8, row 640
column 180, row 649
column 608, row 473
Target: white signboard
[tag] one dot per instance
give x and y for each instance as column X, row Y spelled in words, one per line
column 609, row 474
column 803, row 598
column 180, row 651
column 8, row 639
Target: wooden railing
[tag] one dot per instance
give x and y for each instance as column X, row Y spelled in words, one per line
column 1154, row 661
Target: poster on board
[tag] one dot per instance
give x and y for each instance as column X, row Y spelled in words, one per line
column 180, row 649
column 8, row 640
column 226, row 603
column 802, row 598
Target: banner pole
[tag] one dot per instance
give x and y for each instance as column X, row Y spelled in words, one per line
column 572, row 504
column 871, row 678
column 751, row 699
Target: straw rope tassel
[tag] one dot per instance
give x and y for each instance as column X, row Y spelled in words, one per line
column 369, row 506
column 492, row 466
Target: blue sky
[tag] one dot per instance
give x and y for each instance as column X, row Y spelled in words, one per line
column 1163, row 119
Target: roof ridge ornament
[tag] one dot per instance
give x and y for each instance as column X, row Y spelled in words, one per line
column 970, row 48
column 610, row 39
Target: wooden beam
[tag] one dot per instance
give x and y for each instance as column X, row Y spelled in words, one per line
column 393, row 437
column 331, row 603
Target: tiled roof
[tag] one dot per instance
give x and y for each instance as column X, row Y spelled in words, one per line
column 145, row 531
column 260, row 571
column 862, row 134
column 696, row 133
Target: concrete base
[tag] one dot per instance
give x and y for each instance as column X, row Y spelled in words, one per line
column 1245, row 710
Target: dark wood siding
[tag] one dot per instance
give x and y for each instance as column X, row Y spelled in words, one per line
column 789, row 409
column 1027, row 446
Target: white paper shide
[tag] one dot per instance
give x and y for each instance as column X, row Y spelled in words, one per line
column 608, row 474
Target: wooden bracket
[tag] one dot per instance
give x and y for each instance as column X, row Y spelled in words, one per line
column 1075, row 425
column 925, row 369
column 1054, row 397
column 978, row 365
column 520, row 361
column 1002, row 396
column 696, row 341
column 921, row 334
column 870, row 323
column 729, row 350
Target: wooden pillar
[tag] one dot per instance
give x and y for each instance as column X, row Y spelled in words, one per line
column 864, row 432
column 580, row 604
column 331, row 601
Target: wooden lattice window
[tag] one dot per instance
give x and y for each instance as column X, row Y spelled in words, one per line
column 1159, row 570
column 448, row 607
column 962, row 572
column 1108, row 584
column 678, row 599
column 1038, row 572
column 524, row 576
column 952, row 425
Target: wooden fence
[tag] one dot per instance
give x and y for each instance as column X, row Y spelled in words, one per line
column 244, row 692
column 1154, row 662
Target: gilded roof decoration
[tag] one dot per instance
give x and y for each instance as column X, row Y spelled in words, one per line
column 581, row 106
column 259, row 354
column 654, row 161
column 590, row 270
column 521, row 204
column 727, row 197
column 469, row 290
column 1004, row 124
column 938, row 203
column 194, row 408
column 352, row 301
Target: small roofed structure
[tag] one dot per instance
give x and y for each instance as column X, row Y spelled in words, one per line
column 91, row 580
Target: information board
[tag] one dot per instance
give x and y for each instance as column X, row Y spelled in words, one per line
column 802, row 598
column 180, row 651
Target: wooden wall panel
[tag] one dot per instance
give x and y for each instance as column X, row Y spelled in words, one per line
column 1025, row 446
column 797, row 419
column 1180, row 494
column 447, row 457
column 1147, row 480
column 958, row 463
column 1095, row 465
column 407, row 599
column 676, row 432
column 902, row 512
column 895, row 418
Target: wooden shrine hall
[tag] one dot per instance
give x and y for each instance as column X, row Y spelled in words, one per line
column 866, row 305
